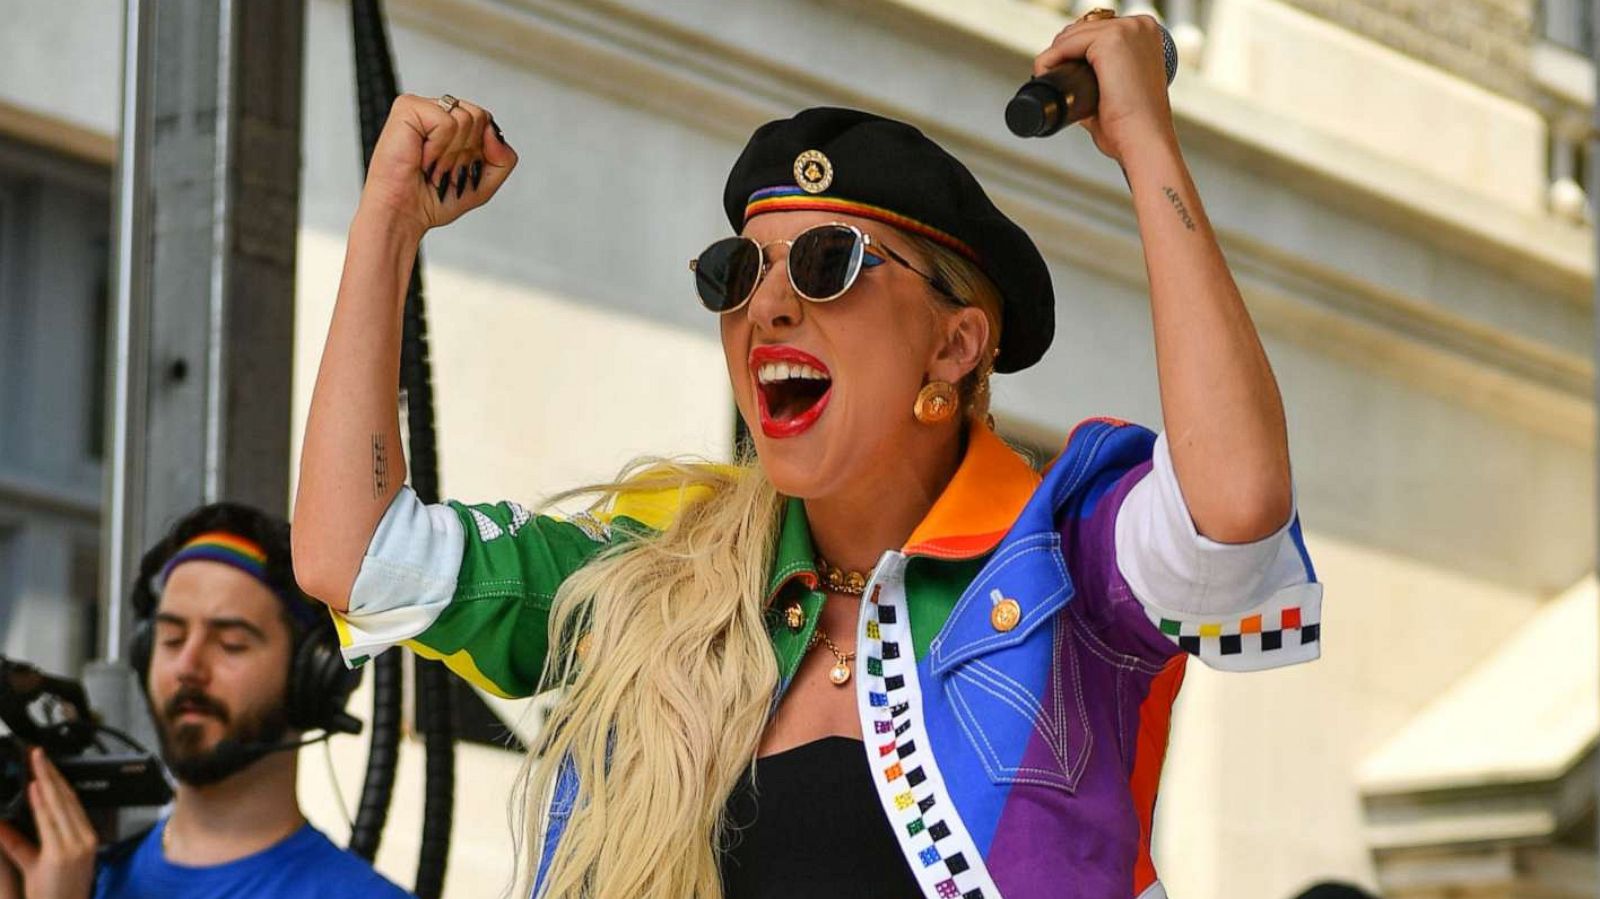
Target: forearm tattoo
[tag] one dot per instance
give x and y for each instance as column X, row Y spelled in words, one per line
column 380, row 467
column 1177, row 203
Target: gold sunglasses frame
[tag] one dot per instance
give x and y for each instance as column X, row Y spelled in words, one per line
column 866, row 242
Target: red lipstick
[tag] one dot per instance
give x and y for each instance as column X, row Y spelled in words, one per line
column 786, row 425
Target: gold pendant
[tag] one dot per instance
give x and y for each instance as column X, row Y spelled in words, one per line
column 840, row 674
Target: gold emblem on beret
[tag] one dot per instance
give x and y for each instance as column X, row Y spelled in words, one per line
column 813, row 172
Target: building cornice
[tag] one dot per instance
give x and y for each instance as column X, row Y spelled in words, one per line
column 57, row 135
column 1526, row 811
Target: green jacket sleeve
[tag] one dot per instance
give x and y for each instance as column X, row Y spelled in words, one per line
column 473, row 585
column 495, row 632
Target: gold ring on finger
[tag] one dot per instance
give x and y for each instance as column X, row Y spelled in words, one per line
column 1098, row 13
column 448, row 103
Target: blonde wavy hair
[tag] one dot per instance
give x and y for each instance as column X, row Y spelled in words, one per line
column 665, row 708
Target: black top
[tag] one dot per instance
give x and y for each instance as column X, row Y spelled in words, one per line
column 822, row 834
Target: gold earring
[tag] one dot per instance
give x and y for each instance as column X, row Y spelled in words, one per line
column 985, row 372
column 936, row 402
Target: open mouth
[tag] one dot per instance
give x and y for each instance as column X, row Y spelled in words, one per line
column 792, row 388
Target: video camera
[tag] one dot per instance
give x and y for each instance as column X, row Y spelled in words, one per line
column 53, row 713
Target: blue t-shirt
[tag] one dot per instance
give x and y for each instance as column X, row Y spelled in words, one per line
column 304, row 864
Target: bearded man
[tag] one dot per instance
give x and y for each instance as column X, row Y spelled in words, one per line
column 236, row 664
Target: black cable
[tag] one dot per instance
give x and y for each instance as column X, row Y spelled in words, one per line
column 383, row 754
column 375, row 92
column 432, row 679
column 376, row 88
column 416, row 387
column 438, row 735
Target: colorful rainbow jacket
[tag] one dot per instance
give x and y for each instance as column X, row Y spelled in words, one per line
column 1015, row 756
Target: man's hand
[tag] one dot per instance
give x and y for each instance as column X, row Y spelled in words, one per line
column 62, row 865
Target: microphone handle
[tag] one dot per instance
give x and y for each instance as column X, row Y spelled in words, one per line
column 1054, row 100
column 1067, row 93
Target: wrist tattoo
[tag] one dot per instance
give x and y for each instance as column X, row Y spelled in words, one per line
column 1177, row 203
column 380, row 466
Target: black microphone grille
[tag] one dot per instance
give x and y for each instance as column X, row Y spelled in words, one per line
column 1169, row 53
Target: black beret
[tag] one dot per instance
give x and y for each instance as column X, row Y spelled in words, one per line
column 857, row 163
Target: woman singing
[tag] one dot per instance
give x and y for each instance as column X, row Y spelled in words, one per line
column 883, row 657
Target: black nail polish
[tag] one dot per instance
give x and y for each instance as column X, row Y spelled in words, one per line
column 498, row 135
column 461, row 182
column 428, row 172
column 477, row 173
column 444, row 186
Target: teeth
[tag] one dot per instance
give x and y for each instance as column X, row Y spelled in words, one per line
column 783, row 371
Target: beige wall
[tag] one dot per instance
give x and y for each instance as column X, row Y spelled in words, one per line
column 536, row 393
column 1313, row 72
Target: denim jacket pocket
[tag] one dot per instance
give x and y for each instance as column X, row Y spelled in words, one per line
column 1007, row 699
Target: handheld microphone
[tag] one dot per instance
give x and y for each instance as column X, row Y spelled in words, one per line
column 1067, row 93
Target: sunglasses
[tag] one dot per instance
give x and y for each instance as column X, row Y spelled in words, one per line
column 824, row 261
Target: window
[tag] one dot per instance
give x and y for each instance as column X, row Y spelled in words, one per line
column 1568, row 23
column 55, row 224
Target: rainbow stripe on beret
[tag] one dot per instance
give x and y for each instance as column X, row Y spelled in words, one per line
column 236, row 552
column 789, row 198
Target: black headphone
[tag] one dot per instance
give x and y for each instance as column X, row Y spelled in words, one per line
column 319, row 683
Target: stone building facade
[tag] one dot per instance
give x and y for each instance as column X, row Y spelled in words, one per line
column 1484, row 42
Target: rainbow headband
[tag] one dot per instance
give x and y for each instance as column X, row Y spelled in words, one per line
column 236, row 552
column 790, row 199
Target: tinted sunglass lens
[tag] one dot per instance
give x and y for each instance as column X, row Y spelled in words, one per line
column 823, row 261
column 726, row 272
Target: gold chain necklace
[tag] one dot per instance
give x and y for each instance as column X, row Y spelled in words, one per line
column 840, row 672
column 838, row 580
column 850, row 583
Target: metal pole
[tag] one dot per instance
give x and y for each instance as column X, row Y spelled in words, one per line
column 221, row 246
column 111, row 684
column 208, row 179
column 130, row 312
column 1592, row 179
column 201, row 345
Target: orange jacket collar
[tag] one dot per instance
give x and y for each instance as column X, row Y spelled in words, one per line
column 979, row 504
column 976, row 510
